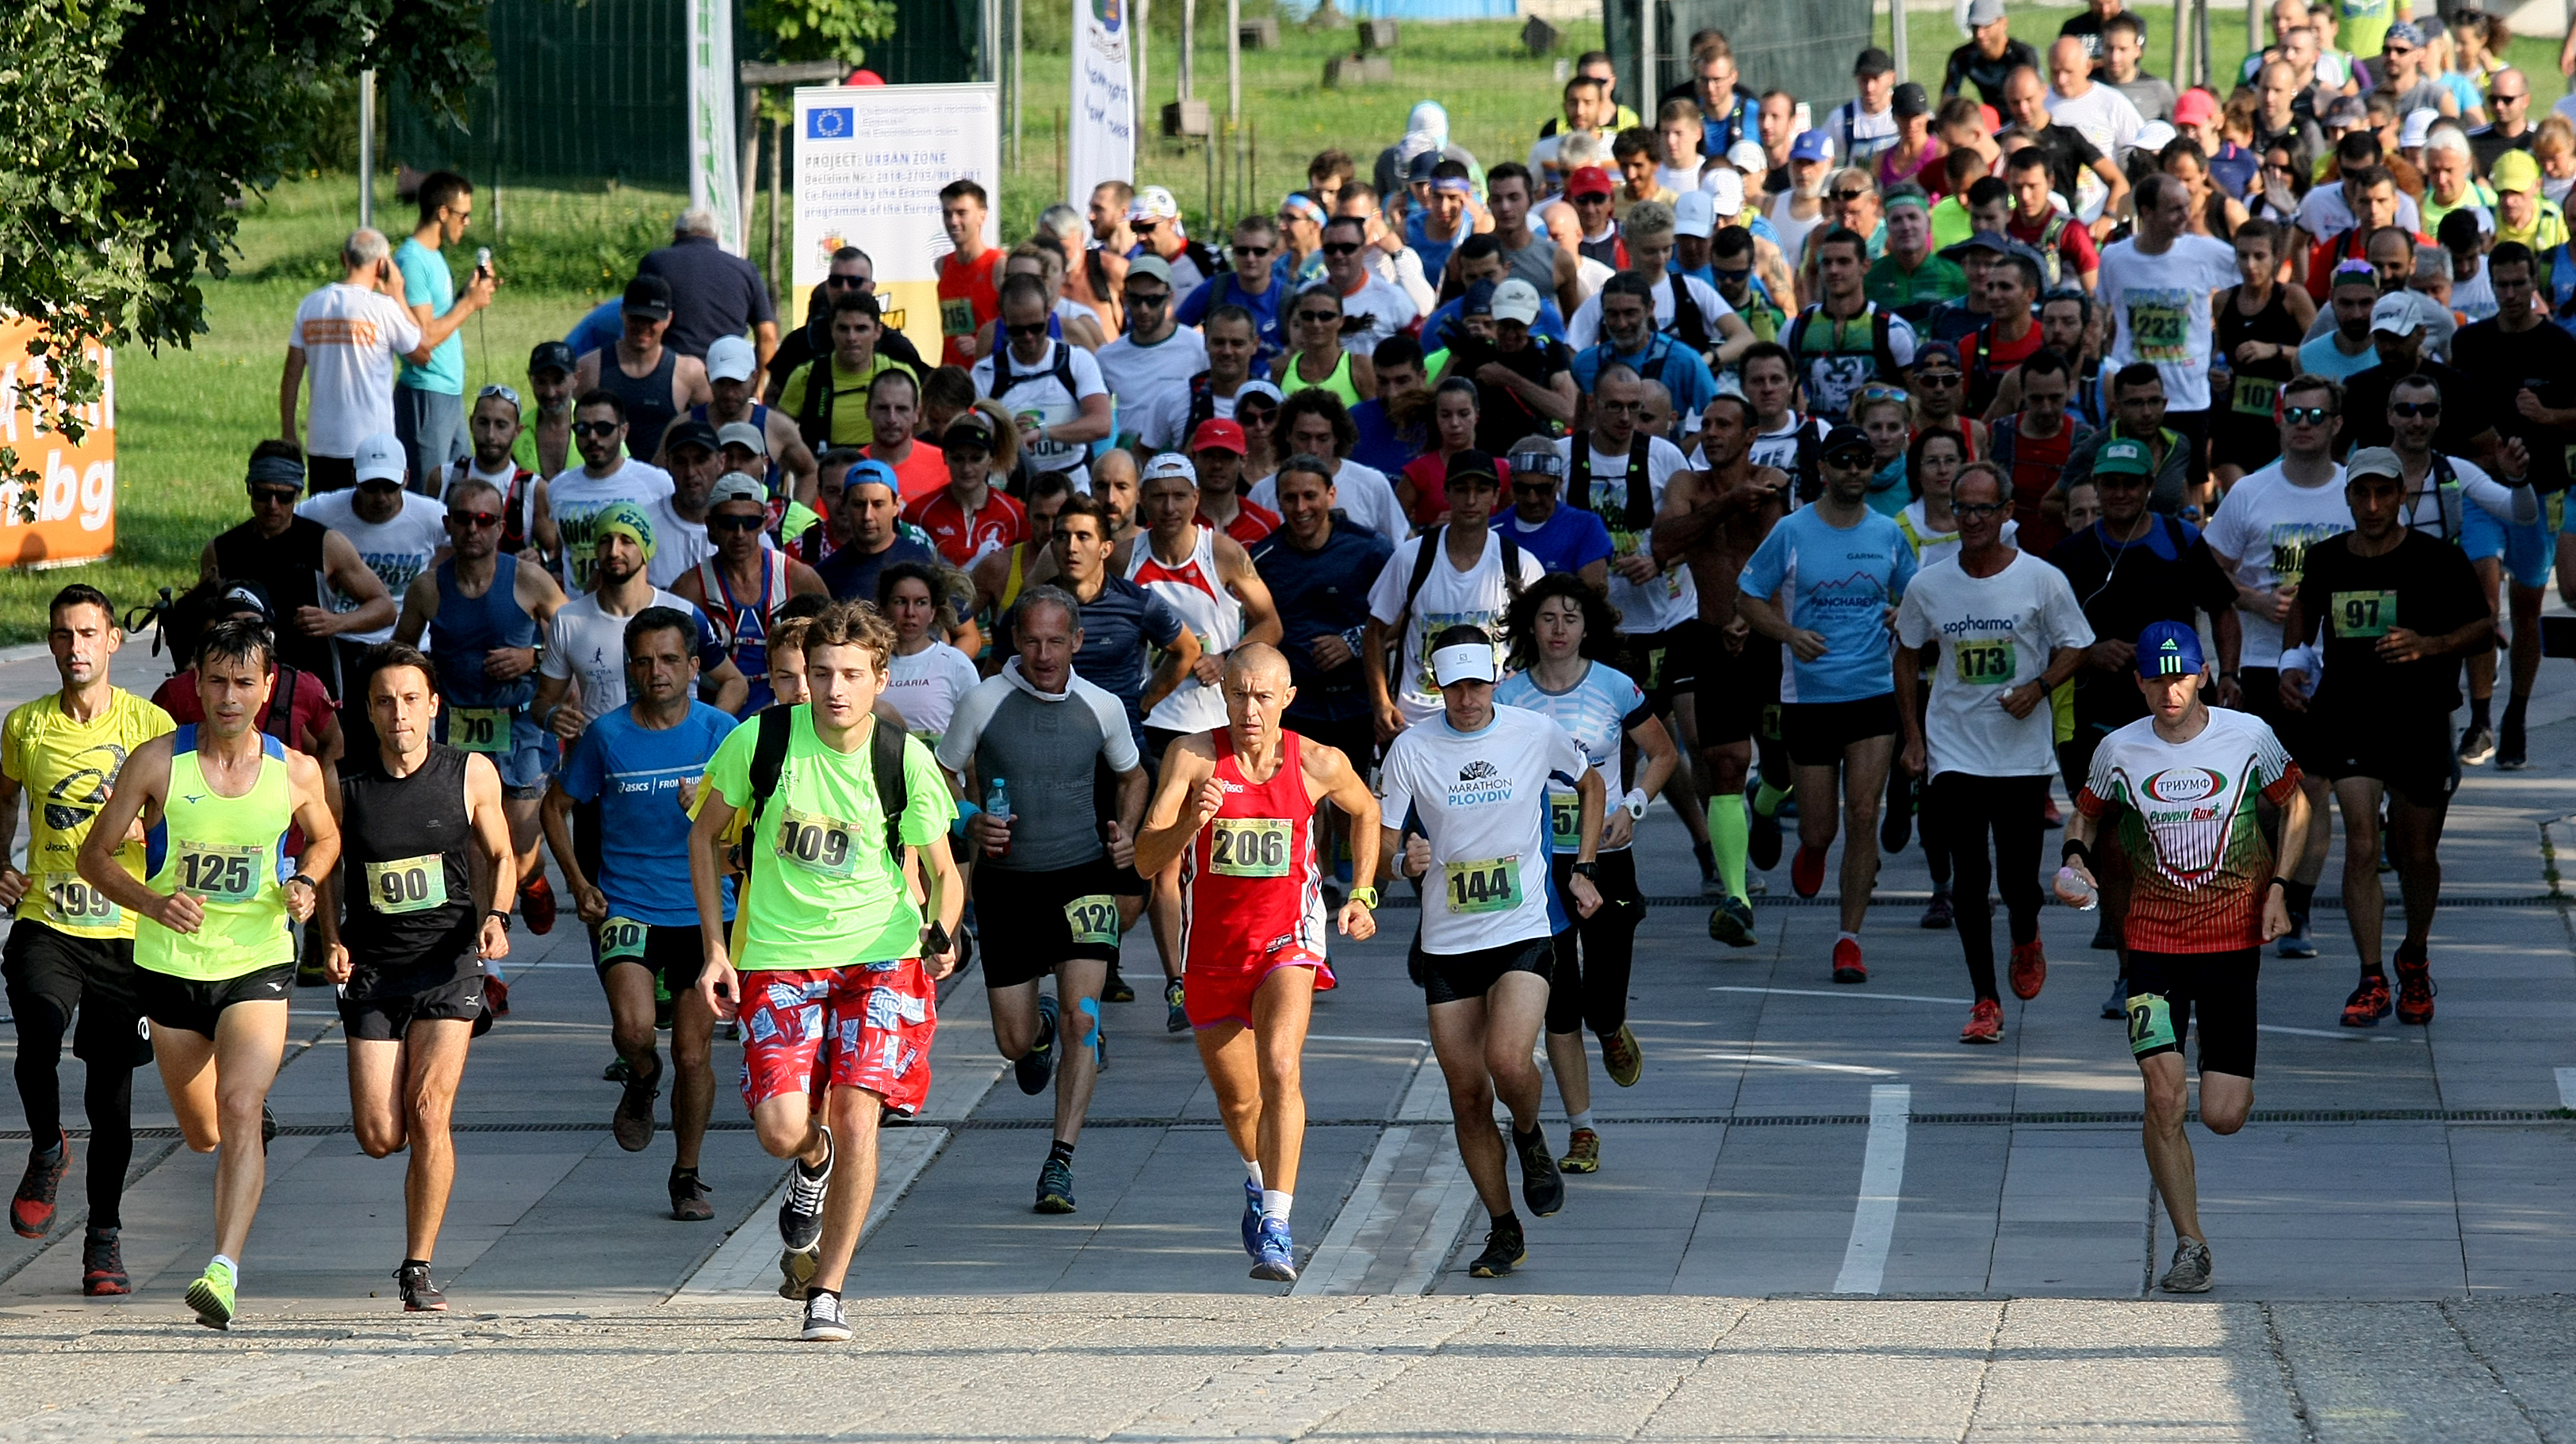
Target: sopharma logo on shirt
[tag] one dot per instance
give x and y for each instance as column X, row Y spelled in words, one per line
column 2184, row 785
column 1971, row 626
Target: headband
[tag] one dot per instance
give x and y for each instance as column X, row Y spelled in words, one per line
column 625, row 519
column 277, row 471
column 1455, row 184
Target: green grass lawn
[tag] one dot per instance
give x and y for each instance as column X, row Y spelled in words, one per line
column 187, row 417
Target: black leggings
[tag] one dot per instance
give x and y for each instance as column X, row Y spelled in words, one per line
column 108, row 1098
column 1967, row 807
column 1594, row 992
column 1936, row 840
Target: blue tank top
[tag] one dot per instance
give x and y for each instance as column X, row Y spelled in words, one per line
column 467, row 627
column 746, row 621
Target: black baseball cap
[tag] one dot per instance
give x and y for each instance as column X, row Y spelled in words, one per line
column 649, row 296
column 1846, row 437
column 692, row 433
column 551, row 356
column 1473, row 463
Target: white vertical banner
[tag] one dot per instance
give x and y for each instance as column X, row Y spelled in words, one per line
column 1102, row 146
column 870, row 162
column 713, row 137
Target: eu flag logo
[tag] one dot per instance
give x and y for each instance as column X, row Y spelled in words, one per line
column 830, row 123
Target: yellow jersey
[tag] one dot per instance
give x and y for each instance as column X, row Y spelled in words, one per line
column 66, row 768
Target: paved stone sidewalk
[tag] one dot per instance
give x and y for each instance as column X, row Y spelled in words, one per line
column 1164, row 1368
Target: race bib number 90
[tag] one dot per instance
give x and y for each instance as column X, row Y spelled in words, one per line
column 1248, row 847
column 820, row 845
column 407, row 885
column 1488, row 885
column 220, row 873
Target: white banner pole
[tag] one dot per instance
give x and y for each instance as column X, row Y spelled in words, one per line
column 715, row 175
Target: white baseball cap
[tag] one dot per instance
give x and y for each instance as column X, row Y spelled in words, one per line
column 1746, row 155
column 1694, row 214
column 380, row 458
column 1516, row 300
column 1723, row 193
column 1171, row 464
column 2418, row 128
column 730, row 358
column 1467, row 662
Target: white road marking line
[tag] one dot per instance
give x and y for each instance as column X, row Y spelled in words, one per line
column 1360, row 1038
column 2567, row 1088
column 1882, row 1183
column 1846, row 993
column 1785, row 1062
column 747, row 1262
column 2342, row 1035
column 1394, row 1231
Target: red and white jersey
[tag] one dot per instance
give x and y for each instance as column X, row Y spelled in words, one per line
column 1192, row 589
column 1001, row 523
column 1251, row 896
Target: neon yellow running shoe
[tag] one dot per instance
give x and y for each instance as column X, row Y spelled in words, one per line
column 212, row 1296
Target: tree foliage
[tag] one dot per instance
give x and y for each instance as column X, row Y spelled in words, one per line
column 821, row 29
column 134, row 126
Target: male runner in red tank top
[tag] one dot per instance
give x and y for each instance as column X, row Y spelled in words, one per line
column 1236, row 807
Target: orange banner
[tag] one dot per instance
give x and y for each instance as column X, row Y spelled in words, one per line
column 72, row 515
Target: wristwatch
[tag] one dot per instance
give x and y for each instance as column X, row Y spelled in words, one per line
column 308, row 882
column 1588, row 871
column 1366, row 897
column 1636, row 803
column 499, row 915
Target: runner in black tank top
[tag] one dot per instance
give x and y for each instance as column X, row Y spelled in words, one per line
column 427, row 852
column 2243, row 433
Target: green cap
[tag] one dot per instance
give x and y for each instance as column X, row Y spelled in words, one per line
column 2123, row 457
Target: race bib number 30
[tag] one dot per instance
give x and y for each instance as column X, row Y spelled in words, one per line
column 479, row 729
column 820, row 845
column 1248, row 846
column 407, row 885
column 621, row 940
column 71, row 902
column 219, row 873
column 2362, row 615
column 1092, row 919
column 1488, row 885
column 1984, row 663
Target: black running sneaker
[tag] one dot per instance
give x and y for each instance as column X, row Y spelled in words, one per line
column 267, row 1128
column 419, row 1295
column 1032, row 1069
column 633, row 1122
column 1761, row 837
column 800, row 1216
column 1055, row 1188
column 103, row 1265
column 1542, row 1187
column 1505, row 1250
column 31, row 1212
column 824, row 1321
column 1176, row 1013
column 689, row 1197
column 1115, row 989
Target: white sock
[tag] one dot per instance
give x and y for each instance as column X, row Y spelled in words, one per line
column 1252, row 1171
column 1848, row 937
column 228, row 1263
column 1579, row 1120
column 1274, row 1204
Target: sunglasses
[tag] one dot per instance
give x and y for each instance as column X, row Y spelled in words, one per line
column 472, row 520
column 1853, row 461
column 1847, row 197
column 1341, row 248
column 1936, row 378
column 1544, row 486
column 1591, row 198
column 837, row 282
column 2307, row 415
column 1321, row 318
column 1254, row 251
column 1034, row 328
column 2416, row 408
column 505, row 393
column 274, row 495
column 1733, row 275
column 735, row 523
column 1537, row 463
column 597, row 428
column 1249, row 419
column 1144, row 228
column 1975, row 510
column 1149, row 299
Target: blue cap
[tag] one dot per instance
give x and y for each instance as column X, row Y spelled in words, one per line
column 871, row 472
column 2169, row 649
column 1812, row 145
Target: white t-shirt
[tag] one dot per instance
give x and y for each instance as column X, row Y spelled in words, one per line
column 1791, row 230
column 1683, row 181
column 589, row 646
column 2267, row 524
column 1597, row 713
column 925, row 686
column 1779, row 449
column 1481, row 798
column 1161, row 418
column 2106, row 118
column 1386, row 308
column 2324, row 212
column 1035, row 391
column 1361, row 492
column 678, row 544
column 396, row 551
column 1668, row 600
column 1583, row 329
column 1138, row 375
column 352, row 340
column 1477, row 597
column 2161, row 304
column 577, row 498
column 1996, row 633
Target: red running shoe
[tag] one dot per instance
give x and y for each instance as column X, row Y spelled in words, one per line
column 537, row 905
column 1985, row 1023
column 2415, row 989
column 496, row 997
column 31, row 1212
column 2369, row 1003
column 103, row 1266
column 1848, row 967
column 2029, row 969
column 1807, row 870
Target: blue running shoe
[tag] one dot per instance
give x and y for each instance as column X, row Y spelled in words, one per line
column 1277, row 1258
column 1251, row 1218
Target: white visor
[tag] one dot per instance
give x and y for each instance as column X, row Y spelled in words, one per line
column 1473, row 662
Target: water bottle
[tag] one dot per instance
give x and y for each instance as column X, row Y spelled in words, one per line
column 997, row 806
column 2075, row 892
column 483, row 258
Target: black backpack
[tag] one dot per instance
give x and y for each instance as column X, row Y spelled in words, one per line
column 769, row 756
column 1638, row 515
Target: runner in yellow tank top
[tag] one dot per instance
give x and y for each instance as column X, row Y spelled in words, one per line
column 215, row 957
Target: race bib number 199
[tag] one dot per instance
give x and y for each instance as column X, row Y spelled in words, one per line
column 73, row 903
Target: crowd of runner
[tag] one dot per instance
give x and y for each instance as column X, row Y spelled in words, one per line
column 1862, row 474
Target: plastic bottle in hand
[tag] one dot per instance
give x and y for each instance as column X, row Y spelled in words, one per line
column 2074, row 891
column 997, row 806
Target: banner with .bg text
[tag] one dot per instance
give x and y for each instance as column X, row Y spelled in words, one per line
column 870, row 161
column 1102, row 146
column 69, row 515
column 715, row 183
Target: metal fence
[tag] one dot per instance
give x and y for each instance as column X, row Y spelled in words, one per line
column 1802, row 46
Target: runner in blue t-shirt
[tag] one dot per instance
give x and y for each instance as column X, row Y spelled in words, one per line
column 1842, row 569
column 633, row 777
column 1563, row 538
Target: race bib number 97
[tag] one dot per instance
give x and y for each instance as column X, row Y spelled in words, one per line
column 2364, row 615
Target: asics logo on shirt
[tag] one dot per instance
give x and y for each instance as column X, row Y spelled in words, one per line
column 74, row 799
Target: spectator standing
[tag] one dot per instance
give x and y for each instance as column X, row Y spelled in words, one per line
column 714, row 293
column 652, row 379
column 429, row 399
column 347, row 335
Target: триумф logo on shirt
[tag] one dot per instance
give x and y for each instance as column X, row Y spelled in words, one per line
column 1477, row 771
column 2185, row 784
